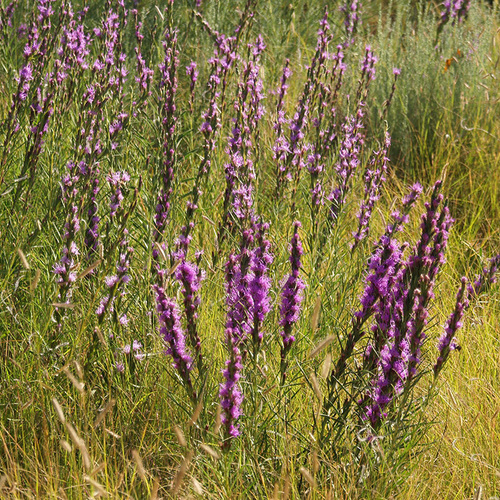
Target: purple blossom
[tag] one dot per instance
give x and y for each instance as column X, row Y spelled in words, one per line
column 351, row 10
column 291, row 298
column 456, row 10
column 260, row 283
column 485, row 279
column 402, row 315
column 373, row 179
column 347, row 164
column 423, row 266
column 291, row 159
column 117, row 180
column 240, row 173
column 64, row 268
column 168, row 114
column 231, row 397
column 230, row 394
column 116, row 283
column 281, row 146
column 190, row 276
column 173, row 335
column 192, row 73
column 447, row 342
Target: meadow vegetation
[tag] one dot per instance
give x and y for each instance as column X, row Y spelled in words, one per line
column 249, row 249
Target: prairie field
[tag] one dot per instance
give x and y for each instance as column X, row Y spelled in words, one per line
column 250, row 249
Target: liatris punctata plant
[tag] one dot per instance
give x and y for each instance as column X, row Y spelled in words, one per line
column 131, row 354
column 407, row 316
column 447, row 341
column 328, row 133
column 352, row 21
column 456, row 10
column 167, row 112
column 260, row 284
column 373, row 180
column 466, row 293
column 281, row 145
column 173, row 335
column 423, row 268
column 189, row 275
column 192, row 73
column 144, row 74
column 240, row 171
column 295, row 160
column 485, row 279
column 230, row 394
column 65, row 268
column 352, row 139
column 346, row 166
column 221, row 62
column 385, row 269
column 38, row 50
column 6, row 14
column 325, row 125
column 291, row 299
column 242, row 302
column 387, row 103
column 116, row 281
column 291, row 161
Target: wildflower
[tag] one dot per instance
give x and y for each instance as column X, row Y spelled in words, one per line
column 260, row 283
column 291, row 298
column 171, row 330
column 447, row 342
column 190, row 277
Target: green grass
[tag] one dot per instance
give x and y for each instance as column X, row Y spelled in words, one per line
column 136, row 432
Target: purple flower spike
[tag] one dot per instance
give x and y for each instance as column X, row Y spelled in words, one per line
column 374, row 179
column 486, row 279
column 403, row 314
column 456, row 10
column 447, row 342
column 144, row 76
column 260, row 284
column 291, row 298
column 168, row 114
column 192, row 73
column 231, row 396
column 190, row 277
column 347, row 164
column 116, row 283
column 117, row 181
column 171, row 330
column 423, row 267
column 291, row 153
column 351, row 10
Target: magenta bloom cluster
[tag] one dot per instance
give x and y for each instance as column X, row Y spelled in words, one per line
column 403, row 292
column 291, row 296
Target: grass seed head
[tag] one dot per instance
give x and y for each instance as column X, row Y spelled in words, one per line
column 140, row 466
column 35, row 281
column 59, row 410
column 209, row 451
column 180, row 436
column 23, row 259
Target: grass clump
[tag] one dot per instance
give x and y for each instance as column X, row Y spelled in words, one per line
column 233, row 236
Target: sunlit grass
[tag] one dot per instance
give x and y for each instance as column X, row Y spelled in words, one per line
column 70, row 428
